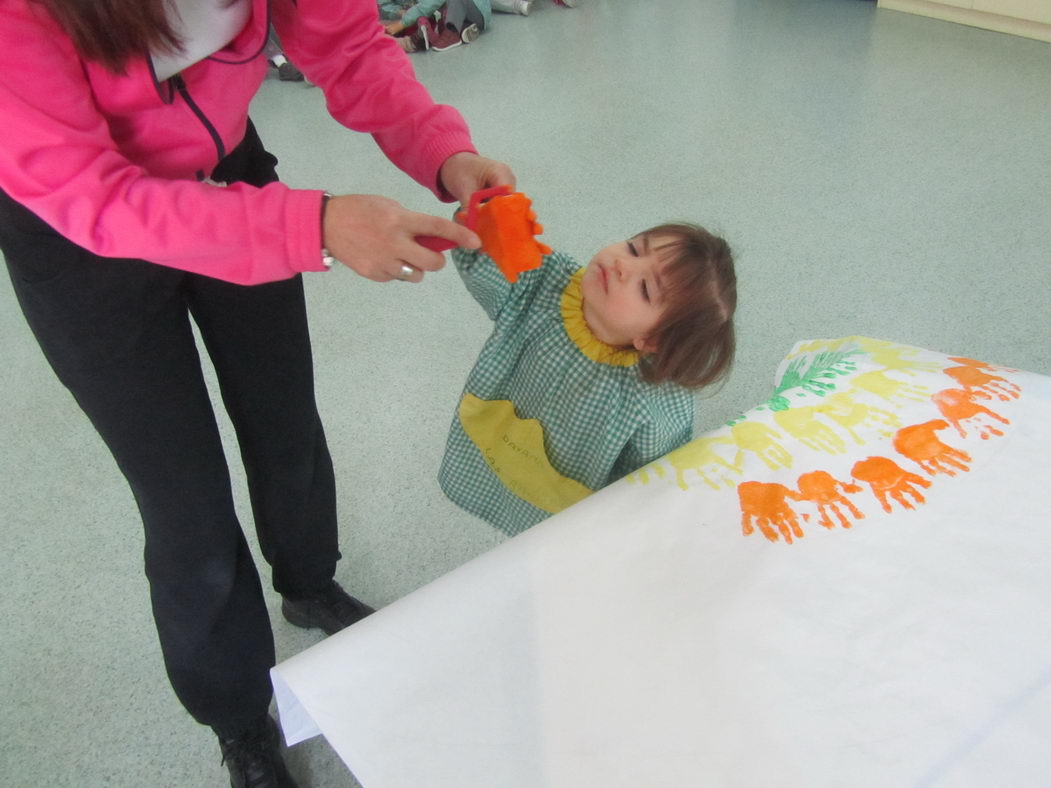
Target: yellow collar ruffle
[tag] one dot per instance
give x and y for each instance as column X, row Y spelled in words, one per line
column 578, row 331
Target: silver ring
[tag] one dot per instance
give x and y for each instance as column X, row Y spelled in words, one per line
column 406, row 271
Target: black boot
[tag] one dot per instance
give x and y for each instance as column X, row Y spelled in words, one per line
column 254, row 757
column 331, row 610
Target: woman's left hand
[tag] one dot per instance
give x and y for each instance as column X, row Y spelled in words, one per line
column 462, row 174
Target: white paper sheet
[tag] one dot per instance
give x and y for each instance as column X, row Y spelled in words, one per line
column 641, row 638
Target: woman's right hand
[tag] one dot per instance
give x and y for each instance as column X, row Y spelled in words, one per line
column 375, row 236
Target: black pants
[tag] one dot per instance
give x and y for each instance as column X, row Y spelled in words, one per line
column 117, row 333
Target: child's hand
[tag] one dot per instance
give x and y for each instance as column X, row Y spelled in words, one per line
column 393, row 28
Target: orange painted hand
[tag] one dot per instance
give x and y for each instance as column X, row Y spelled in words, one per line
column 958, row 406
column 507, row 226
column 973, row 379
column 822, row 488
column 886, row 478
column 767, row 506
column 919, row 443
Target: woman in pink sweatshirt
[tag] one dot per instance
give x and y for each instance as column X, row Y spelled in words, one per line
column 134, row 193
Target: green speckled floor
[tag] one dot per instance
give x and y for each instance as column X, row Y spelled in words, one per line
column 877, row 173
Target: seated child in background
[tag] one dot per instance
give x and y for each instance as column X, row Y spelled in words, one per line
column 438, row 25
column 589, row 373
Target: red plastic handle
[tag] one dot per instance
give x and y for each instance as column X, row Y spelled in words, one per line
column 436, row 244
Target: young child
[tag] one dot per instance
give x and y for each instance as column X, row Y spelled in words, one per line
column 437, row 25
column 589, row 372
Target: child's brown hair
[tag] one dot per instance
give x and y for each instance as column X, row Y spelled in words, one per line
column 694, row 340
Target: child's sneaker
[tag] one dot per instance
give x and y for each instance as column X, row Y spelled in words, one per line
column 523, row 6
column 420, row 38
column 470, row 33
column 445, row 40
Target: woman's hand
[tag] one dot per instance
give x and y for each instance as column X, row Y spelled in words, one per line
column 375, row 237
column 462, row 174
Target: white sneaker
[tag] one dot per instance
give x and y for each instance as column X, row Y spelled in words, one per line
column 522, row 7
column 470, row 33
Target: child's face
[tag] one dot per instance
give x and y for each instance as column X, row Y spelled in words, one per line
column 622, row 292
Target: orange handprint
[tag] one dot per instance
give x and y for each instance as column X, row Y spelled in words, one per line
column 767, row 504
column 971, row 362
column 973, row 379
column 958, row 405
column 886, row 477
column 802, row 423
column 756, row 437
column 918, row 442
column 820, row 487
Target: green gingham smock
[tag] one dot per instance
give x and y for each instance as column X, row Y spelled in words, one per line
column 549, row 413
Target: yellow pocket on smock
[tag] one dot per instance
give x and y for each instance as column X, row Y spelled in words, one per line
column 514, row 450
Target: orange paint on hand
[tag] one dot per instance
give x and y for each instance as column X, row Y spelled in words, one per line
column 507, row 225
column 767, row 505
column 887, row 478
column 958, row 405
column 919, row 443
column 822, row 488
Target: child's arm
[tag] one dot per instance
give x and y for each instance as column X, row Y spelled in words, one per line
column 424, row 8
column 483, row 279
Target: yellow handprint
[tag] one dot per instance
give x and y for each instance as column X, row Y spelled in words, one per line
column 892, row 356
column 700, row 456
column 802, row 423
column 878, row 383
column 847, row 413
column 756, row 437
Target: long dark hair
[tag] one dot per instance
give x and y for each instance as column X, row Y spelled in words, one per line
column 111, row 31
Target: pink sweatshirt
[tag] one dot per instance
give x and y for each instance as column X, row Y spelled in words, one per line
column 113, row 162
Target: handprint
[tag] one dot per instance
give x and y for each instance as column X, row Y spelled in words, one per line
column 767, row 504
column 918, row 442
column 892, row 356
column 802, row 423
column 888, row 388
column 886, row 477
column 756, row 437
column 848, row 413
column 700, row 456
column 973, row 379
column 970, row 362
column 958, row 405
column 821, row 488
